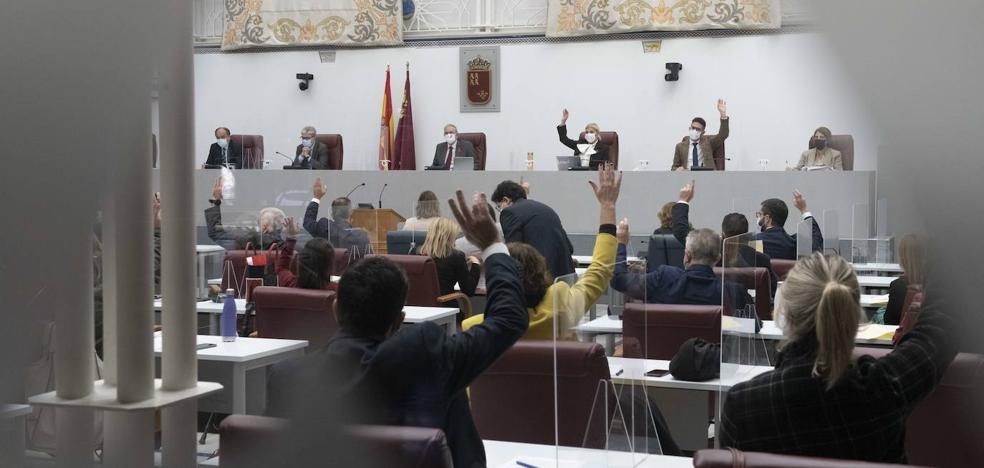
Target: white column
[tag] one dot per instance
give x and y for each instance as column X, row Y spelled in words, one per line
column 109, row 279
column 179, row 367
column 71, row 273
column 129, row 439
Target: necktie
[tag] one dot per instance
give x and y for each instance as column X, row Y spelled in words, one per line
column 225, row 157
column 450, row 162
column 696, row 161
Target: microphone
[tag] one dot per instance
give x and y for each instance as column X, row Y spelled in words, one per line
column 284, row 155
column 354, row 189
column 381, row 195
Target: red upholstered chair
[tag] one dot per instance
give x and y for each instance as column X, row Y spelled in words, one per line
column 610, row 139
column 295, row 314
column 513, row 400
column 752, row 278
column 844, row 144
column 782, row 267
column 237, row 278
column 252, row 150
column 424, row 289
column 260, row 441
column 478, row 141
column 731, row 458
column 336, row 151
column 660, row 329
column 946, row 428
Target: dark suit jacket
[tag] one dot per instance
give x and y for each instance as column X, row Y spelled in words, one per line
column 454, row 269
column 340, row 234
column 537, row 224
column 416, row 377
column 235, row 238
column 601, row 149
column 318, row 160
column 747, row 256
column 709, row 144
column 778, row 244
column 462, row 149
column 697, row 285
column 897, row 291
column 234, row 153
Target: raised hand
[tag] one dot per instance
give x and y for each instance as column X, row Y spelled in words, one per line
column 608, row 187
column 799, row 201
column 525, row 185
column 723, row 108
column 318, row 189
column 687, row 192
column 564, row 116
column 622, row 231
column 475, row 221
column 291, row 226
column 217, row 188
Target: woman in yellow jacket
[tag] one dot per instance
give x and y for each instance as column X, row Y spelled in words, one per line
column 556, row 307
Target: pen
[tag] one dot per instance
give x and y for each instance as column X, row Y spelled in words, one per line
column 524, row 465
column 619, row 372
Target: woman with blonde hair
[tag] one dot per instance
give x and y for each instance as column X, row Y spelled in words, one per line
column 819, row 400
column 426, row 212
column 452, row 265
column 591, row 150
column 912, row 259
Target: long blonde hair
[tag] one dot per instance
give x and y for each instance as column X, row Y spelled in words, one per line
column 821, row 298
column 440, row 238
column 912, row 258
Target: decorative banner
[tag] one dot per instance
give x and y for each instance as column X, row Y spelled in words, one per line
column 587, row 17
column 480, row 79
column 278, row 23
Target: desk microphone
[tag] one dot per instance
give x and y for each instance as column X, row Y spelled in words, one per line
column 381, row 195
column 354, row 189
column 285, row 156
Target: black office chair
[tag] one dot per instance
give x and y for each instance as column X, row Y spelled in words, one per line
column 664, row 249
column 404, row 242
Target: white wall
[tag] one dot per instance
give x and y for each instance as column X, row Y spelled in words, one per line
column 778, row 87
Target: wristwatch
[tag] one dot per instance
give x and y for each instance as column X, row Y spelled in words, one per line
column 215, row 201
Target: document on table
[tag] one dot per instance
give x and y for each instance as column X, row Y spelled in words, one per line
column 872, row 332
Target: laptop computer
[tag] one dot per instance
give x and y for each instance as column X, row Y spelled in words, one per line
column 565, row 163
column 464, row 164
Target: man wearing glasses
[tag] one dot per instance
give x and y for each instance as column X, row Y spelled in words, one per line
column 697, row 149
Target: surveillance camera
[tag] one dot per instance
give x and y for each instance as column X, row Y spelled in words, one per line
column 305, row 79
column 673, row 71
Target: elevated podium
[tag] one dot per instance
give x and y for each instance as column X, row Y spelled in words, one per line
column 377, row 222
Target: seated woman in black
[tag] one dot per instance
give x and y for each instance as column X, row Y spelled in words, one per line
column 912, row 259
column 589, row 147
column 452, row 266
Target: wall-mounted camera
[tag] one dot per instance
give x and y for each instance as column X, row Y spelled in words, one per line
column 305, row 79
column 673, row 71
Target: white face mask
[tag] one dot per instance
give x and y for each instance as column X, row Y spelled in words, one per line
column 306, row 142
column 590, row 137
column 222, row 142
column 451, row 137
column 694, row 135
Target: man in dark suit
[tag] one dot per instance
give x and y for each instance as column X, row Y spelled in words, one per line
column 772, row 218
column 270, row 222
column 338, row 230
column 733, row 225
column 536, row 224
column 452, row 148
column 373, row 371
column 696, row 284
column 698, row 148
column 224, row 152
column 310, row 154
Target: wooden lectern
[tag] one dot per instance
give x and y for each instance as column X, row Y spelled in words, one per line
column 378, row 223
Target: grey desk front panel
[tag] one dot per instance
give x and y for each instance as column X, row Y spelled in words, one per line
column 567, row 192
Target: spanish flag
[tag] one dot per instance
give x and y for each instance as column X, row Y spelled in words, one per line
column 386, row 127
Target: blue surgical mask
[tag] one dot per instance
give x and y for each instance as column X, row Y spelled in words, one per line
column 306, row 142
column 222, row 142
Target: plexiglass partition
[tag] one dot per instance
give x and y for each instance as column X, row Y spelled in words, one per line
column 884, row 251
column 860, row 233
column 747, row 335
column 805, row 244
column 831, row 232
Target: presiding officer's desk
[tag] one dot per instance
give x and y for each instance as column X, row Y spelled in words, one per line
column 643, row 192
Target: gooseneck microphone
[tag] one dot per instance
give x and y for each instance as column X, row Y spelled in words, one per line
column 284, row 155
column 354, row 189
column 381, row 195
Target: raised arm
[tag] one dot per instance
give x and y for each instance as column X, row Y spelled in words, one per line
column 681, row 213
column 562, row 132
column 311, row 213
column 800, row 201
column 724, row 131
column 630, row 283
column 506, row 318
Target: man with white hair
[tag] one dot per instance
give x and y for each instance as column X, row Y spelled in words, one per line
column 451, row 148
column 697, row 284
column 310, row 154
column 270, row 223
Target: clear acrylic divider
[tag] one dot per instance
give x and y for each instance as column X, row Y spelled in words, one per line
column 860, row 233
column 831, row 232
column 804, row 238
column 747, row 336
column 884, row 251
column 747, row 207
